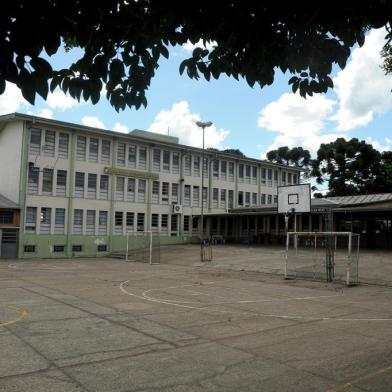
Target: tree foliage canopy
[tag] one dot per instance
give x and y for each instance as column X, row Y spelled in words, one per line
column 123, row 42
column 296, row 156
column 352, row 167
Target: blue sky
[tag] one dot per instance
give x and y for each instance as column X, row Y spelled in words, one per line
column 253, row 120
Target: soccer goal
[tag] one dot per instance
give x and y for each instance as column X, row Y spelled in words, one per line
column 326, row 256
column 143, row 246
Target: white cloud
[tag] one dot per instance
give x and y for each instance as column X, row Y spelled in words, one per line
column 58, row 100
column 94, row 122
column 120, row 128
column 46, row 113
column 298, row 121
column 386, row 145
column 189, row 47
column 11, row 99
column 362, row 87
column 181, row 123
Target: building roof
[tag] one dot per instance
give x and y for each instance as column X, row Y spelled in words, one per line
column 350, row 203
column 141, row 136
column 7, row 203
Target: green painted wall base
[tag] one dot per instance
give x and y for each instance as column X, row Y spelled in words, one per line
column 45, row 244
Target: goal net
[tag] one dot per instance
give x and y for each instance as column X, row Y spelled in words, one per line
column 143, row 246
column 325, row 256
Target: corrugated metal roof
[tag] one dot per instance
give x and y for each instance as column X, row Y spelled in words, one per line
column 7, row 203
column 360, row 199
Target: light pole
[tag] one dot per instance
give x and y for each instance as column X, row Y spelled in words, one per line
column 203, row 126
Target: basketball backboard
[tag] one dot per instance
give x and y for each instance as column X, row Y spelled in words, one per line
column 295, row 197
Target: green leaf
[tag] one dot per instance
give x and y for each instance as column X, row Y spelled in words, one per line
column 164, row 51
column 27, row 84
column 2, row 86
column 42, row 67
column 182, row 66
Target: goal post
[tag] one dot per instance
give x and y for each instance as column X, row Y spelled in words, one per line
column 305, row 256
column 143, row 246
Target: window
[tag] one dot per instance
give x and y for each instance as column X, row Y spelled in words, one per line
column 58, row 248
column 205, row 197
column 215, row 168
column 247, row 174
column 269, row 199
column 263, row 175
column 6, row 217
column 61, row 184
column 254, row 198
column 121, row 154
column 154, row 222
column 187, row 195
column 231, row 171
column 45, row 220
column 164, row 223
column 132, row 156
column 275, row 177
column 140, row 221
column 195, row 223
column 223, row 170
column 174, row 193
column 141, row 191
column 283, row 178
column 118, row 222
column 196, row 166
column 90, row 222
column 29, row 248
column 215, row 197
column 102, row 248
column 49, row 146
column 176, row 163
column 174, row 224
column 269, row 175
column 120, row 181
column 92, row 186
column 231, row 198
column 240, row 198
column 33, row 179
column 47, row 182
column 186, row 224
column 78, row 222
column 247, row 199
column 295, row 179
column 104, row 187
column 131, row 189
column 35, row 141
column 187, row 165
column 93, row 150
column 81, row 148
column 63, row 145
column 142, row 158
column 77, row 248
column 103, row 223
column 105, row 151
column 262, row 201
column 59, row 221
column 155, row 192
column 31, row 220
column 196, row 196
column 165, row 193
column 130, row 217
column 241, row 172
column 254, row 175
column 205, row 167
column 79, row 184
column 223, row 198
column 275, row 198
column 156, row 154
column 289, row 176
column 166, row 161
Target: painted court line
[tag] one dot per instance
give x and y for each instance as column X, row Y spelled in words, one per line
column 22, row 314
column 145, row 296
column 346, row 386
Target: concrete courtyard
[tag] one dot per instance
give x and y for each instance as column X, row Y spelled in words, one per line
column 110, row 325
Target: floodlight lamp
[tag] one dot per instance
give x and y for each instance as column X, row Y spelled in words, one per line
column 203, row 125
